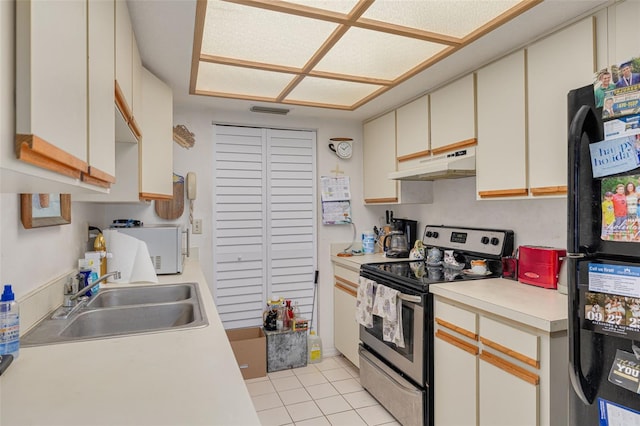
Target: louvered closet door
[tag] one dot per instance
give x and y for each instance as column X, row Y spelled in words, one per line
column 264, row 216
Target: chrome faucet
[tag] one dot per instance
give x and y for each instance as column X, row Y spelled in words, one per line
column 82, row 292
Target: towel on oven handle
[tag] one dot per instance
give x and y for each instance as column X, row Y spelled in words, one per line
column 364, row 302
column 388, row 305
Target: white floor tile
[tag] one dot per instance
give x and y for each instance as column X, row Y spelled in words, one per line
column 260, row 388
column 322, row 390
column 318, row 421
column 294, row 396
column 360, row 399
column 347, row 386
column 333, row 404
column 257, row 379
column 347, row 418
column 303, row 411
column 336, row 374
column 328, row 364
column 310, row 368
column 286, row 383
column 393, row 423
column 353, row 370
column 375, row 415
column 266, row 401
column 280, row 374
column 274, row 417
column 312, row 379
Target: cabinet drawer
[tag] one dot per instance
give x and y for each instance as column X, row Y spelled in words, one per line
column 510, row 341
column 456, row 319
column 345, row 274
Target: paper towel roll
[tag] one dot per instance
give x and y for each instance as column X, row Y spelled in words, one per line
column 130, row 256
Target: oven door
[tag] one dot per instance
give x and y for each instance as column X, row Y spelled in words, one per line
column 410, row 359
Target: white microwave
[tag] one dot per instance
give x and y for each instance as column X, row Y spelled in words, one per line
column 165, row 245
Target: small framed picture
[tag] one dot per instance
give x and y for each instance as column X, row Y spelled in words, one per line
column 38, row 210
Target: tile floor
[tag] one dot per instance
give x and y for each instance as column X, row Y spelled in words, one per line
column 326, row 393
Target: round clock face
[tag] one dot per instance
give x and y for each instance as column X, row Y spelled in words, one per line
column 344, row 150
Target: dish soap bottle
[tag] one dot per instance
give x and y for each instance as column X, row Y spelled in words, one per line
column 314, row 344
column 9, row 323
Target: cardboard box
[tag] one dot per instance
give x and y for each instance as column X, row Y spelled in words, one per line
column 250, row 348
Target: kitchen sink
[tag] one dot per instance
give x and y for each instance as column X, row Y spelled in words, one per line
column 122, row 312
column 142, row 295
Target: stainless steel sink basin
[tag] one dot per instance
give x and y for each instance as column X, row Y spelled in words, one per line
column 142, row 295
column 125, row 311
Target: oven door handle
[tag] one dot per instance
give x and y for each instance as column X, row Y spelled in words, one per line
column 410, row 298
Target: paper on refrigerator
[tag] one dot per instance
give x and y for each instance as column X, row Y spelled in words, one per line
column 130, row 256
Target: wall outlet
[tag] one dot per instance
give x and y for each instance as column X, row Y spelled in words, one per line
column 197, row 226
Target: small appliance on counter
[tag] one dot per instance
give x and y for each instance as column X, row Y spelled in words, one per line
column 539, row 265
column 164, row 243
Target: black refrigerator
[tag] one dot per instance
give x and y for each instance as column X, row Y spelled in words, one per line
column 603, row 279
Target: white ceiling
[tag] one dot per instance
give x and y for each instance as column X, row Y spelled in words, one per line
column 164, row 31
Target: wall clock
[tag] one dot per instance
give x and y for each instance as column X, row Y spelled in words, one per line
column 342, row 147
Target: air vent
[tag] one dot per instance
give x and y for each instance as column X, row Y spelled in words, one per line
column 268, row 110
column 157, row 263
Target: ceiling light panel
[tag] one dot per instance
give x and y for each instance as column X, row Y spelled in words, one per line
column 244, row 82
column 374, row 54
column 257, row 35
column 456, row 18
column 330, row 92
column 342, row 6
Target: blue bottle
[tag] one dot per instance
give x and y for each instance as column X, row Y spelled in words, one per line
column 9, row 323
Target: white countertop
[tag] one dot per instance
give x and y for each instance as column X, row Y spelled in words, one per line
column 542, row 308
column 356, row 261
column 187, row 377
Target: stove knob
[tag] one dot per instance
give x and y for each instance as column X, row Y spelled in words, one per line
column 495, row 241
column 484, row 240
column 435, row 234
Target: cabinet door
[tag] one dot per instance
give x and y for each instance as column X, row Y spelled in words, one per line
column 556, row 64
column 453, row 115
column 137, row 105
column 102, row 165
column 505, row 399
column 51, row 84
column 156, row 152
column 413, row 132
column 624, row 40
column 124, row 55
column 379, row 159
column 501, row 156
column 346, row 330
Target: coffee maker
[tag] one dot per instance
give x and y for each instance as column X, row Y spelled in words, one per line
column 408, row 227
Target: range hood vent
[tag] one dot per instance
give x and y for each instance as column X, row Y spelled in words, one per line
column 452, row 165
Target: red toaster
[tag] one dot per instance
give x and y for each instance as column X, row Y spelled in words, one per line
column 539, row 265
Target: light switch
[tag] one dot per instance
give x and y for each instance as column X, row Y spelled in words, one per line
column 197, row 226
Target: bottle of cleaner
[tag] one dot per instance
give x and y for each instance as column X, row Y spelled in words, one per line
column 9, row 323
column 314, row 345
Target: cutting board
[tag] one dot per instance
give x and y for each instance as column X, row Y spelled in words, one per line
column 172, row 209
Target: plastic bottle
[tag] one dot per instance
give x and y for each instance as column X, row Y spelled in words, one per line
column 9, row 323
column 314, row 345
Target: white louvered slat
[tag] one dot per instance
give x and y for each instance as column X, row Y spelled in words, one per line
column 264, row 213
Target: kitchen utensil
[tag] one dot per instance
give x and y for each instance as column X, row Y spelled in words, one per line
column 172, row 209
column 395, row 245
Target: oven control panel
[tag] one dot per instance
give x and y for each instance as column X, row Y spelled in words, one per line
column 489, row 242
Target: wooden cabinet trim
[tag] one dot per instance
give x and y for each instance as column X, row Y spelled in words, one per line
column 151, row 196
column 347, row 289
column 34, row 150
column 121, row 103
column 549, row 190
column 86, row 178
column 513, row 354
column 135, row 128
column 99, row 174
column 380, row 200
column 467, row 347
column 459, row 330
column 454, row 146
column 345, row 282
column 517, row 192
column 413, row 156
column 512, row 369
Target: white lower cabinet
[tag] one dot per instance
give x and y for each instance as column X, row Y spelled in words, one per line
column 491, row 371
column 346, row 330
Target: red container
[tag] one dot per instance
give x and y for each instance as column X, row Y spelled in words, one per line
column 539, row 265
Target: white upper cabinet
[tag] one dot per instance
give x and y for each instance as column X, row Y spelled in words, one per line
column 412, row 132
column 102, row 164
column 453, row 115
column 156, row 153
column 501, row 156
column 127, row 70
column 623, row 35
column 556, row 64
column 379, row 159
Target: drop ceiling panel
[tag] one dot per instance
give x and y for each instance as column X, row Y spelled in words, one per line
column 375, row 54
column 333, row 92
column 343, row 6
column 243, row 82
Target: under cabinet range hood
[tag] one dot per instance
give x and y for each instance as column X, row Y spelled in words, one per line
column 451, row 165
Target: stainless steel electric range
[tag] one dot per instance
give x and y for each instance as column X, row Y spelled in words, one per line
column 401, row 379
